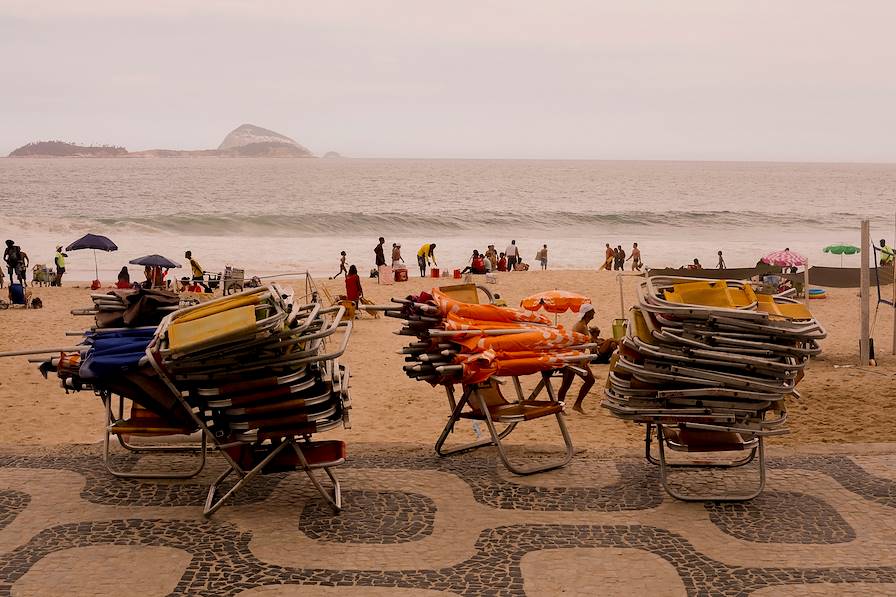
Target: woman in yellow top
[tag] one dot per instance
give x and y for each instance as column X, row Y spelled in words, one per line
column 426, row 253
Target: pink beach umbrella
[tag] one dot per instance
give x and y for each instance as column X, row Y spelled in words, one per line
column 788, row 258
column 785, row 258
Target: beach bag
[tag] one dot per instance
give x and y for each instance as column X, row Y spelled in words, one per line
column 17, row 294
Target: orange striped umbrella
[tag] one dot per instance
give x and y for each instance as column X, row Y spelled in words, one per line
column 555, row 301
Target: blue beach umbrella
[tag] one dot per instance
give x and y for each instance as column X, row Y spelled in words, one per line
column 154, row 261
column 95, row 242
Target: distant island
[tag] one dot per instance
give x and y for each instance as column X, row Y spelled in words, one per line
column 246, row 140
column 332, row 155
column 61, row 149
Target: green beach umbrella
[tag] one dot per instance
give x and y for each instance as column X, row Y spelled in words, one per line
column 842, row 250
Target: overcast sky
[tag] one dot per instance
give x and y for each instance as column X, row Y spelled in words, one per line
column 620, row 79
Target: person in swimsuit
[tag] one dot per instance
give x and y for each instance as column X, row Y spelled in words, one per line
column 635, row 258
column 342, row 269
column 609, row 256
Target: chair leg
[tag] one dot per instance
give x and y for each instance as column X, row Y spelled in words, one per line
column 202, row 450
column 708, row 498
column 529, row 470
column 449, row 427
column 334, row 500
column 211, row 506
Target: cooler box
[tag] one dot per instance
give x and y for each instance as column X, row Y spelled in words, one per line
column 401, row 275
column 434, row 272
column 457, row 274
column 385, row 275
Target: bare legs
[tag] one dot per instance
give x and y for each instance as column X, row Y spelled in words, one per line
column 587, row 384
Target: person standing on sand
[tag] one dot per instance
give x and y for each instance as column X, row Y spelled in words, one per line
column 22, row 268
column 513, row 255
column 886, row 253
column 342, row 269
column 59, row 260
column 379, row 255
column 426, row 252
column 492, row 256
column 721, row 264
column 397, row 260
column 542, row 256
column 620, row 259
column 635, row 258
column 11, row 257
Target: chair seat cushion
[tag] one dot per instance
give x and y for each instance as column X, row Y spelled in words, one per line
column 700, row 440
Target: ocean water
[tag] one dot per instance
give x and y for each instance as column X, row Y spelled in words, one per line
column 274, row 216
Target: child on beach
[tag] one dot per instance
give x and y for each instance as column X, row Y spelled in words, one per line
column 721, row 264
column 342, row 269
column 502, row 263
column 353, row 290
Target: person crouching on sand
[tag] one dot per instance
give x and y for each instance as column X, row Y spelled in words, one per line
column 424, row 255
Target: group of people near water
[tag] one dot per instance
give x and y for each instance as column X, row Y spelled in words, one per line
column 480, row 262
column 16, row 262
column 615, row 259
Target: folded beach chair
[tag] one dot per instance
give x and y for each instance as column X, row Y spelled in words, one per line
column 256, row 376
column 706, row 367
column 464, row 340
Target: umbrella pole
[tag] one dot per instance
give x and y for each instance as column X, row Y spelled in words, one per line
column 96, row 268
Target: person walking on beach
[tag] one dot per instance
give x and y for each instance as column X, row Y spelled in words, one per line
column 342, row 269
column 424, row 255
column 197, row 271
column 635, row 258
column 379, row 254
column 59, row 260
column 609, row 256
column 721, row 264
column 513, row 255
column 620, row 258
column 542, row 256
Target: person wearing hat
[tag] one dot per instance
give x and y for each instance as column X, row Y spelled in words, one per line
column 60, row 264
column 397, row 260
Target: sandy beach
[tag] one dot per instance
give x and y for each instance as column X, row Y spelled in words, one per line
column 839, row 403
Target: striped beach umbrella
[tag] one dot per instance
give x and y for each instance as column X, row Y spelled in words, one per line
column 785, row 258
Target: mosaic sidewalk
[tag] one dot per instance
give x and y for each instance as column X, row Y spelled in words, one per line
column 416, row 525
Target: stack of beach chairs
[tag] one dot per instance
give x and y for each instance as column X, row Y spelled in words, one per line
column 459, row 341
column 257, row 375
column 707, row 365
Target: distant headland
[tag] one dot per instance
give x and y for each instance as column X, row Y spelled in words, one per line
column 246, row 140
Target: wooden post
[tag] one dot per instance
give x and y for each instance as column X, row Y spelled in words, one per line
column 864, row 280
column 806, row 283
column 621, row 298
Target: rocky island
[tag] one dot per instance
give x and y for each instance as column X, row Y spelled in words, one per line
column 63, row 149
column 246, row 140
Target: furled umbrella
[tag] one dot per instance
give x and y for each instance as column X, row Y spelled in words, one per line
column 788, row 258
column 95, row 242
column 841, row 250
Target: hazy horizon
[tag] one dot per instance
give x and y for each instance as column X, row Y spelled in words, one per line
column 704, row 81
